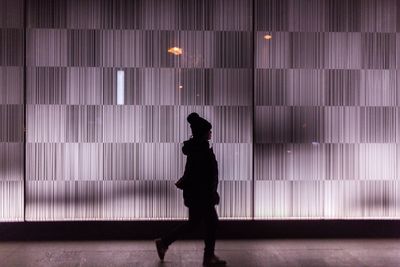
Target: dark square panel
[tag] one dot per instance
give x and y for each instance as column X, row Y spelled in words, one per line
column 272, row 15
column 342, row 87
column 233, row 50
column 11, row 123
column 196, row 86
column 11, row 162
column 307, row 50
column 343, row 15
column 46, row 85
column 379, row 124
column 47, row 13
column 271, row 87
column 11, row 47
column 196, row 15
column 12, row 14
column 378, row 16
column 286, row 162
column 83, row 48
column 377, row 50
column 232, row 125
column 307, row 16
column 11, row 85
column 289, row 124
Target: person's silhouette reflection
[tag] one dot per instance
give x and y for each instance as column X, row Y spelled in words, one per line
column 199, row 184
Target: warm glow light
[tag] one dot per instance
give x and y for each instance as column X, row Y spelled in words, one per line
column 268, row 37
column 175, row 50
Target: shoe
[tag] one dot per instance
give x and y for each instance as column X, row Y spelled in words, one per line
column 213, row 261
column 161, row 248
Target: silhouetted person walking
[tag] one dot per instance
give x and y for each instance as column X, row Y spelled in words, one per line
column 199, row 184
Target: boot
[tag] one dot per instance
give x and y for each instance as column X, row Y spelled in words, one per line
column 212, row 260
column 161, row 248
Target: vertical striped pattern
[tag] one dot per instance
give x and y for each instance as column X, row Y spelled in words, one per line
column 326, row 109
column 89, row 158
column 11, row 110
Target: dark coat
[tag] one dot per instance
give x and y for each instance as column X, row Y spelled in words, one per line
column 201, row 174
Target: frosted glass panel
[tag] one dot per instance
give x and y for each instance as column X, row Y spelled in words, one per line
column 107, row 105
column 93, row 107
column 11, row 110
column 326, row 110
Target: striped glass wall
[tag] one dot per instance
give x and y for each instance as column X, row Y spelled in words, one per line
column 326, row 109
column 107, row 105
column 11, row 110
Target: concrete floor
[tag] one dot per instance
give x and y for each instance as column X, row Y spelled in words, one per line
column 354, row 253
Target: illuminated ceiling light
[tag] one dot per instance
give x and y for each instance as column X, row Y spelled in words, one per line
column 180, row 86
column 175, row 50
column 267, row 37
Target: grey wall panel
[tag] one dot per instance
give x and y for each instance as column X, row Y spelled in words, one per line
column 103, row 200
column 11, row 110
column 306, row 16
column 297, row 87
column 323, row 50
column 289, row 199
column 90, row 158
column 286, row 124
column 46, row 47
column 331, row 162
column 11, row 159
column 281, row 162
column 327, row 15
column 230, row 15
column 144, row 86
column 377, row 50
column 12, row 47
column 344, row 50
column 344, row 16
column 11, row 85
column 138, row 48
column 12, row 117
column 235, row 200
column 12, row 14
column 319, row 199
column 119, row 200
column 378, row 16
column 326, row 109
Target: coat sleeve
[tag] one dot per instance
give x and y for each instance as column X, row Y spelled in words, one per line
column 215, row 177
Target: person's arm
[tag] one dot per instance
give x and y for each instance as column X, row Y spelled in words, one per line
column 214, row 171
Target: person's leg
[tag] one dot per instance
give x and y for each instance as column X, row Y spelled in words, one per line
column 194, row 218
column 162, row 244
column 211, row 223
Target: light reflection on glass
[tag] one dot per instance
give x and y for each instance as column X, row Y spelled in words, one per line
column 267, row 37
column 175, row 50
column 120, row 87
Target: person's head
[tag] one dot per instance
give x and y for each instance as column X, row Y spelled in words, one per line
column 201, row 128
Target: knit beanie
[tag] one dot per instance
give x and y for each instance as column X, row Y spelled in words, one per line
column 199, row 126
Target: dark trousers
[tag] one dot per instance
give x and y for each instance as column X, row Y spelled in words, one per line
column 208, row 215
